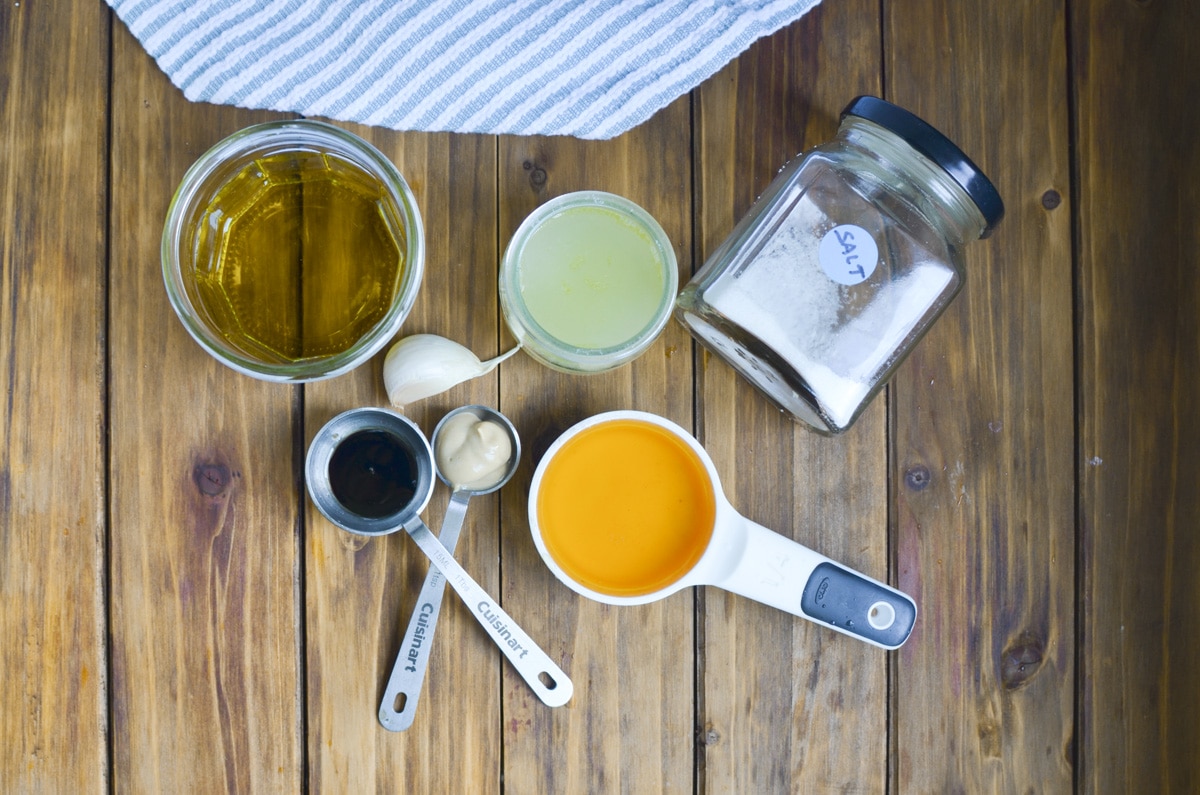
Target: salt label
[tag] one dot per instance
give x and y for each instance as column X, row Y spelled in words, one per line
column 848, row 254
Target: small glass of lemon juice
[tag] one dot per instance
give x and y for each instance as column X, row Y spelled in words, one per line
column 588, row 282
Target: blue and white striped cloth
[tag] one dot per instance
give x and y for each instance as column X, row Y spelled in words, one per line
column 587, row 68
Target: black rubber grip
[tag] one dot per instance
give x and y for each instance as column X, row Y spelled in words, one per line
column 849, row 601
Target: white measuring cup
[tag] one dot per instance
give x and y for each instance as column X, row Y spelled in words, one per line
column 543, row 676
column 740, row 556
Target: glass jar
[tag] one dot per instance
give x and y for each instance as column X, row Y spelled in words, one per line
column 293, row 251
column 588, row 282
column 843, row 263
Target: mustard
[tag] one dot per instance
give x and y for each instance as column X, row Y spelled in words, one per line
column 472, row 454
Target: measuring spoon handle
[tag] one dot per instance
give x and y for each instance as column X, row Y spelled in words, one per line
column 398, row 708
column 546, row 679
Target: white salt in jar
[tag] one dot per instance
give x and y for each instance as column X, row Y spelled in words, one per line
column 843, row 263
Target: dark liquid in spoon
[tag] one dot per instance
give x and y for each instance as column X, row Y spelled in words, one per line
column 372, row 474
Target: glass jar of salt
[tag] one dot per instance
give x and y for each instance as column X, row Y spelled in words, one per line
column 843, row 263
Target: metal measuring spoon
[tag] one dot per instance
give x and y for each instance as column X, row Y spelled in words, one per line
column 399, row 705
column 548, row 682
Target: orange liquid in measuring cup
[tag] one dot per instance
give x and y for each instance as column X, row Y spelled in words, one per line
column 626, row 508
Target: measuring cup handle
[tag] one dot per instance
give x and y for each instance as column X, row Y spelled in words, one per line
column 782, row 573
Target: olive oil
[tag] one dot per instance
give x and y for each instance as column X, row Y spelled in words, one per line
column 298, row 256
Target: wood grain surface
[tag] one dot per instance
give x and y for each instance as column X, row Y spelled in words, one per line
column 1137, row 68
column 203, row 506
column 983, row 473
column 175, row 615
column 53, row 168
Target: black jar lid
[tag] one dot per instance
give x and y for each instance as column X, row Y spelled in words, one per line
column 920, row 135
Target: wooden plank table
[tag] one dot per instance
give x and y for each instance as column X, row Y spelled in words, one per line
column 175, row 616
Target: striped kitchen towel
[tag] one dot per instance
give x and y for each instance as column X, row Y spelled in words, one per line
column 587, row 68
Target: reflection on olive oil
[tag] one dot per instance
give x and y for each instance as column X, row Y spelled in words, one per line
column 298, row 256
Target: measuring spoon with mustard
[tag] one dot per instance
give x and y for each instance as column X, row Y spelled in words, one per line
column 477, row 451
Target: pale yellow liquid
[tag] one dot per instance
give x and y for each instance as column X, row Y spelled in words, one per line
column 591, row 277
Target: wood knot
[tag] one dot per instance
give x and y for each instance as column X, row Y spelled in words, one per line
column 1051, row 199
column 1021, row 661
column 918, row 477
column 709, row 736
column 211, row 479
column 537, row 174
column 989, row 738
column 352, row 542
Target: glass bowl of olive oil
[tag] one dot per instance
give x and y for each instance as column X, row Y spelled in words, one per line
column 588, row 282
column 293, row 251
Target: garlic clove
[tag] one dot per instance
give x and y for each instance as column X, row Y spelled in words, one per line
column 423, row 365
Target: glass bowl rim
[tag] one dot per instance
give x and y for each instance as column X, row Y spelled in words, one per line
column 282, row 135
column 543, row 345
